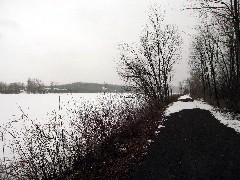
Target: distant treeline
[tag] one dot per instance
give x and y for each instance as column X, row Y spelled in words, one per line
column 36, row 86
column 33, row 86
column 80, row 87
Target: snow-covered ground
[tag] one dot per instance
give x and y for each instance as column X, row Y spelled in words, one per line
column 38, row 106
column 229, row 119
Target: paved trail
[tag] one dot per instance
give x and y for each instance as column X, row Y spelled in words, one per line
column 193, row 145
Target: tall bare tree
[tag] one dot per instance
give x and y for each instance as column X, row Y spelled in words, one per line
column 148, row 65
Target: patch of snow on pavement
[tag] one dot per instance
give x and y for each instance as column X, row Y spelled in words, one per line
column 228, row 119
column 184, row 97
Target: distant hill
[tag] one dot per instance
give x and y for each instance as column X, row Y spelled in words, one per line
column 80, row 87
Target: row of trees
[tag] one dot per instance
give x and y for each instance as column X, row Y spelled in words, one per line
column 215, row 63
column 12, row 88
column 33, row 86
column 148, row 65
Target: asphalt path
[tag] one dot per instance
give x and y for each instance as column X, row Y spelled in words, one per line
column 193, row 145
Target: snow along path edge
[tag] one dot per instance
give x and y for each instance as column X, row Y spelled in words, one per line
column 229, row 119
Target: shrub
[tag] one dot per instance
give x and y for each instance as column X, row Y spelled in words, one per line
column 83, row 140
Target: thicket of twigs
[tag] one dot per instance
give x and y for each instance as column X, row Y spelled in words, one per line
column 89, row 141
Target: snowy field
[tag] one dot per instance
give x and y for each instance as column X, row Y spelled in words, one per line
column 38, row 106
column 228, row 119
column 41, row 108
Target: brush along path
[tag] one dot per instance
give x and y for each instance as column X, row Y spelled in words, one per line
column 193, row 145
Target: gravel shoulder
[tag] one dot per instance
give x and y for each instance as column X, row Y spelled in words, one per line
column 193, row 145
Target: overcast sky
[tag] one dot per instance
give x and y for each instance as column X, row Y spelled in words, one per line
column 76, row 40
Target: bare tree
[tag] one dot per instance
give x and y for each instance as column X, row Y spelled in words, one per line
column 35, row 86
column 217, row 50
column 148, row 66
column 3, row 87
column 15, row 88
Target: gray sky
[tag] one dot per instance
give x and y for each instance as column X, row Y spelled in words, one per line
column 76, row 40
